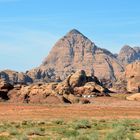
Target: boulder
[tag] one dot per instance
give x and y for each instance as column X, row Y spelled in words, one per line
column 91, row 88
column 78, row 79
column 34, row 93
column 67, row 91
column 84, row 101
column 70, row 98
column 133, row 97
column 4, row 89
column 5, row 85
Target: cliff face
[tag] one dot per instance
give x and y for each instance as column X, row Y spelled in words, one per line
column 14, row 77
column 133, row 77
column 75, row 52
column 128, row 54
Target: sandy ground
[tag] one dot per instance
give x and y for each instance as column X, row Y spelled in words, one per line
column 101, row 108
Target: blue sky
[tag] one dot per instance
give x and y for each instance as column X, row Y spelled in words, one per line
column 29, row 28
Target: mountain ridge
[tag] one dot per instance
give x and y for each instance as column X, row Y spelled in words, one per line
column 73, row 52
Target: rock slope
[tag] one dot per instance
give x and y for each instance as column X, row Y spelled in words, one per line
column 74, row 52
column 128, row 54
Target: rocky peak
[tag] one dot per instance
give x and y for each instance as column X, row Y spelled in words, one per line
column 137, row 49
column 72, row 47
column 74, row 32
column 125, row 48
column 75, row 51
column 128, row 54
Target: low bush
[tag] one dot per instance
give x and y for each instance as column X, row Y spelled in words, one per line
column 82, row 124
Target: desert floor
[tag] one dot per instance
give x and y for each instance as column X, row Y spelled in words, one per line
column 101, row 108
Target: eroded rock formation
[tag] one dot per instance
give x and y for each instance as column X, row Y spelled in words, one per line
column 74, row 52
column 128, row 54
column 69, row 91
column 4, row 89
column 133, row 77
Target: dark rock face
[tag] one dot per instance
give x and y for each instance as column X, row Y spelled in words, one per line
column 43, row 74
column 4, row 89
column 128, row 54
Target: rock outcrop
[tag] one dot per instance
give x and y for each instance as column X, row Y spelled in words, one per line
column 68, row 91
column 128, row 54
column 4, row 89
column 133, row 77
column 14, row 77
column 74, row 52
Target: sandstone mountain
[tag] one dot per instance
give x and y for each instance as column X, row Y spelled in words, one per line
column 128, row 54
column 75, row 52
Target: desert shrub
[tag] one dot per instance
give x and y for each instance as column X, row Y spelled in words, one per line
column 25, row 122
column 93, row 136
column 70, row 133
column 82, row 124
column 41, row 122
column 35, row 131
column 121, row 133
column 18, row 125
column 60, row 122
column 2, row 129
column 100, row 126
column 22, row 137
column 13, row 131
column 83, row 137
column 4, row 138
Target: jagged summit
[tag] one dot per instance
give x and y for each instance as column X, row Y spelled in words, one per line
column 126, row 48
column 74, row 31
column 74, row 52
column 128, row 54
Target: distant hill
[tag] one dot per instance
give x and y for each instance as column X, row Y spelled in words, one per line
column 128, row 54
